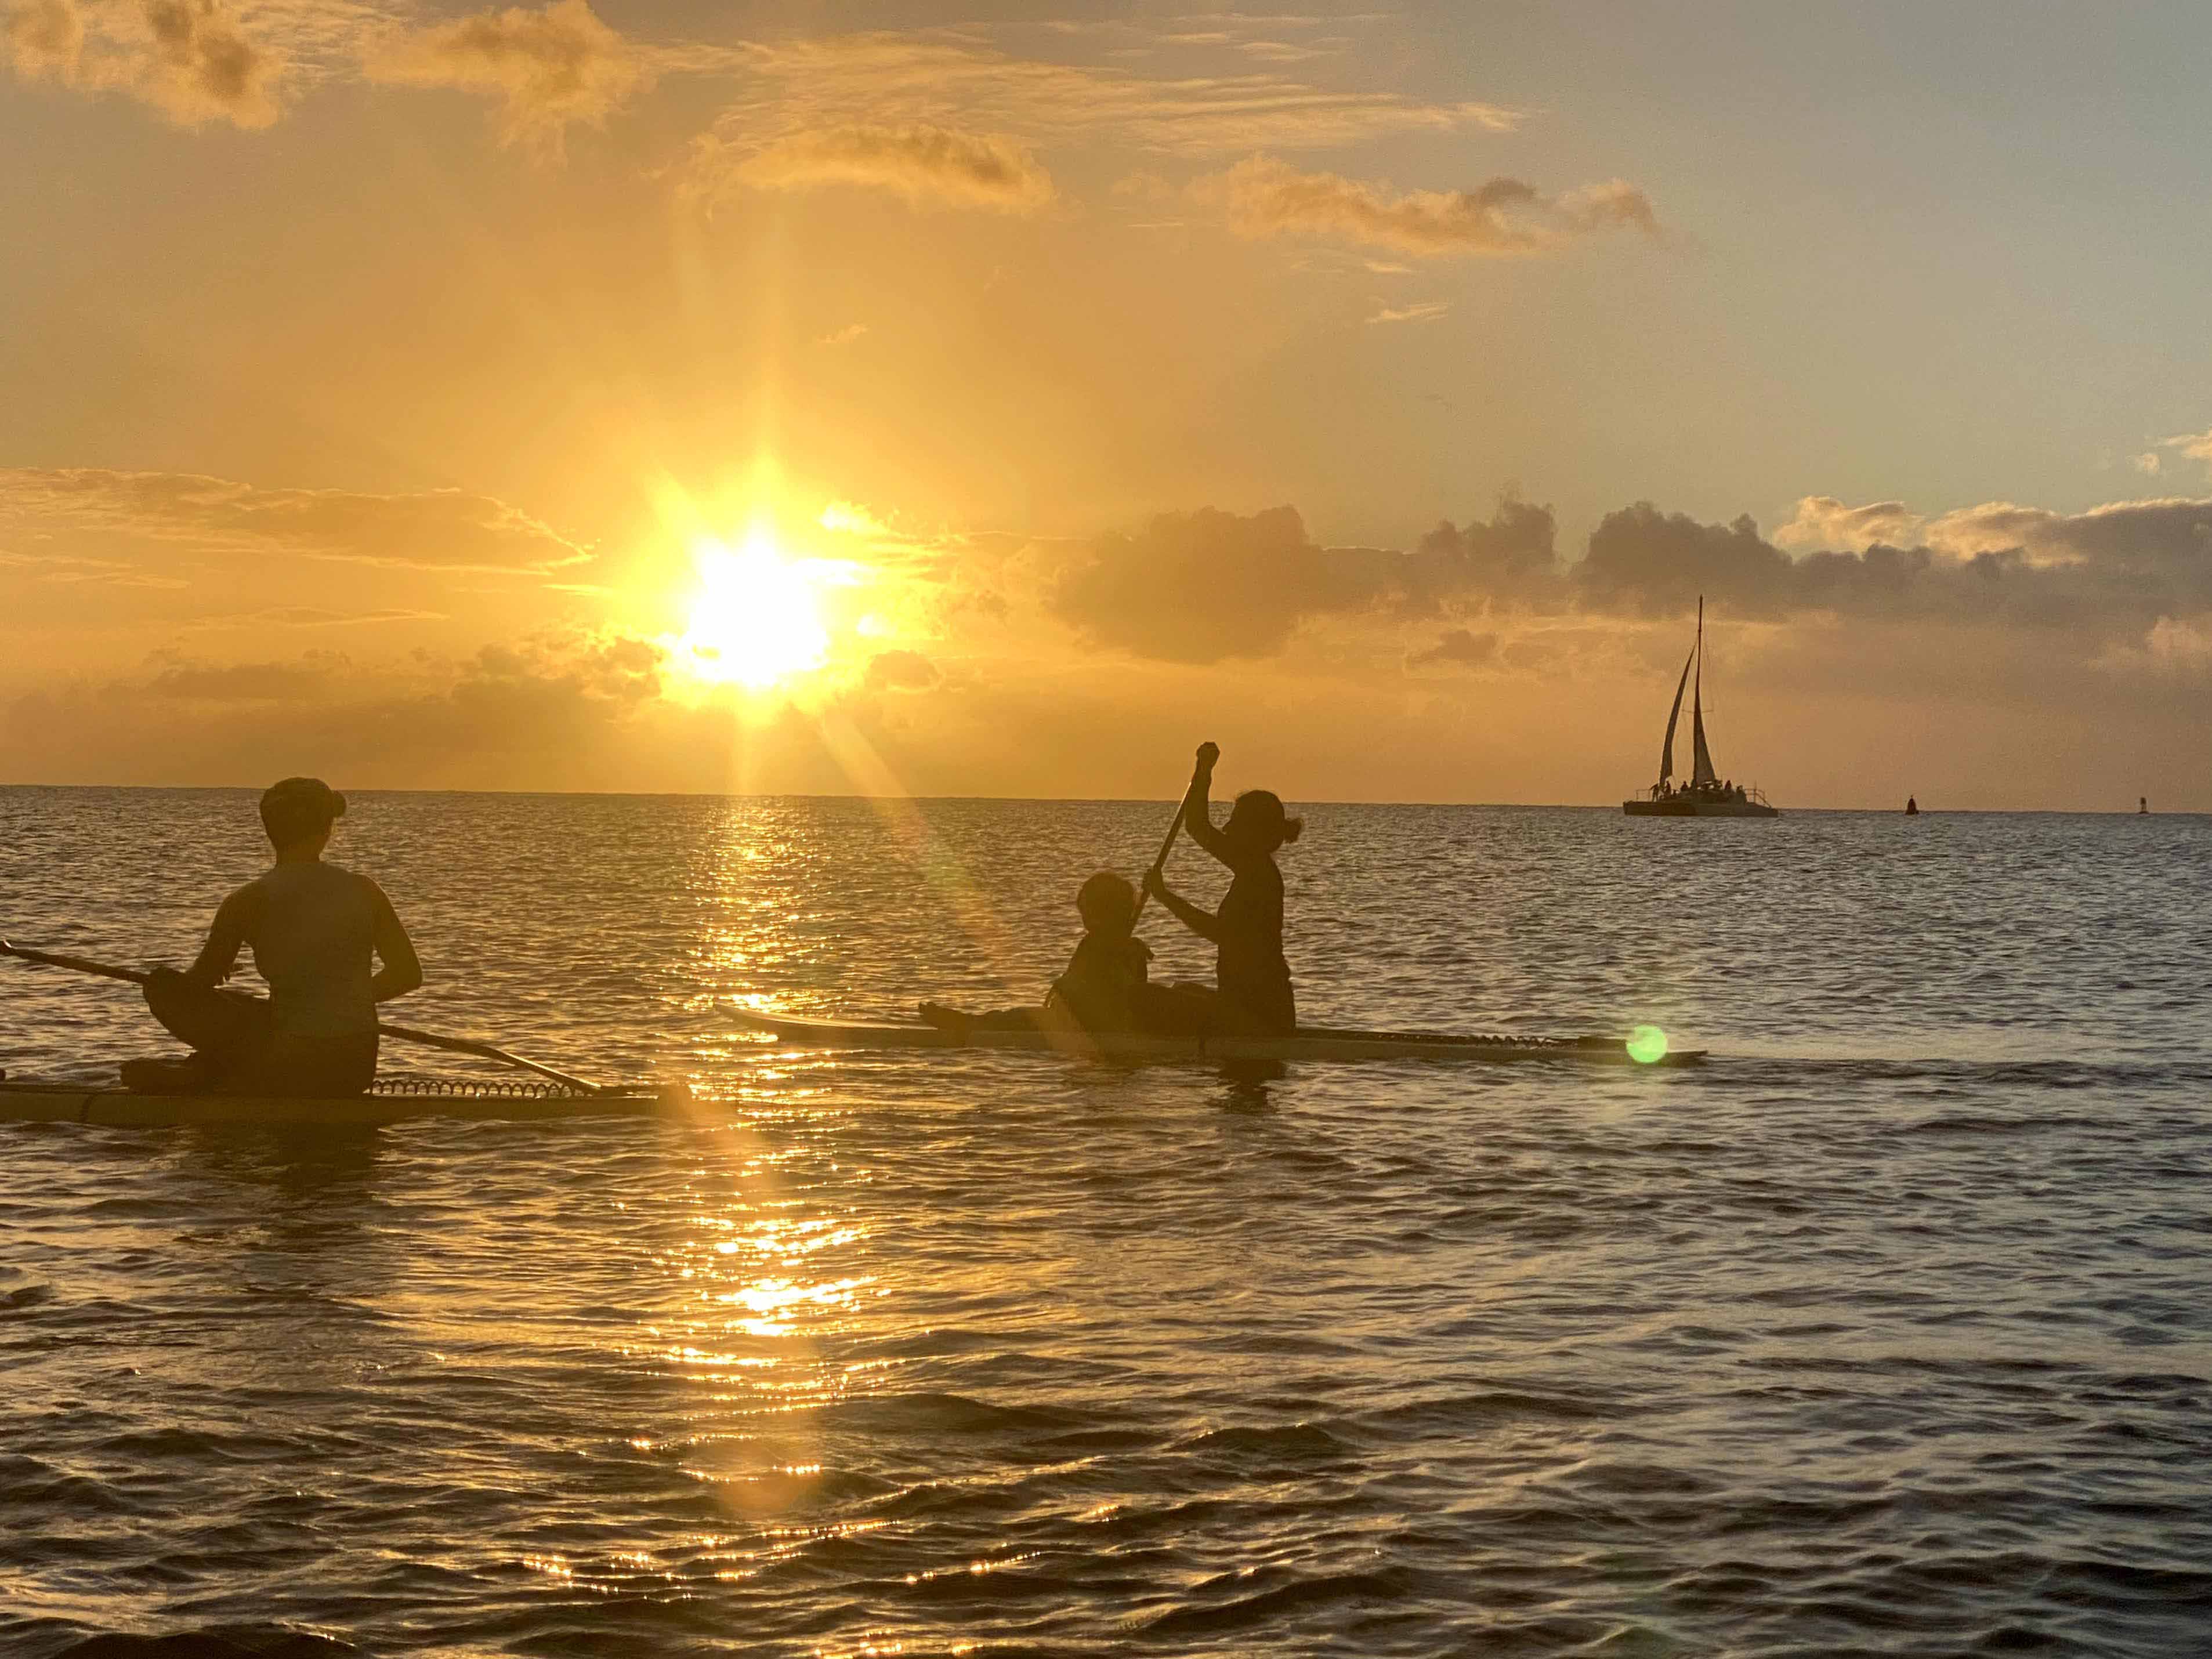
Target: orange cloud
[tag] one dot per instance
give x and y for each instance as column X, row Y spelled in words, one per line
column 1265, row 197
column 1823, row 521
column 191, row 59
column 922, row 163
column 551, row 67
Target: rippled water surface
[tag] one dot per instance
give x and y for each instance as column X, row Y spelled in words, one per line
column 1887, row 1331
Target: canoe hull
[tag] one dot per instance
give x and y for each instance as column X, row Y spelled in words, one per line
column 59, row 1102
column 1311, row 1043
column 1676, row 807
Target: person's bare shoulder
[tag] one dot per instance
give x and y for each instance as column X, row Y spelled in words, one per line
column 378, row 902
column 242, row 909
column 247, row 898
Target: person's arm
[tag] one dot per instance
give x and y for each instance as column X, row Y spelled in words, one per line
column 1197, row 810
column 1203, row 923
column 401, row 971
column 225, row 935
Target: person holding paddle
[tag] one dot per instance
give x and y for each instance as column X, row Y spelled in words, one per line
column 316, row 932
column 1252, row 995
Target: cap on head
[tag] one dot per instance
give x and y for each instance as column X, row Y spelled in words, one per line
column 297, row 808
column 1107, row 900
column 1258, row 817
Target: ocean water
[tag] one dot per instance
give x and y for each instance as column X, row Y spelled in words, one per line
column 1887, row 1331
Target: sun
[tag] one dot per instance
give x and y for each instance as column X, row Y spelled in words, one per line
column 758, row 619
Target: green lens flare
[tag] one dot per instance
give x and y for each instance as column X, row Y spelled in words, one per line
column 1647, row 1045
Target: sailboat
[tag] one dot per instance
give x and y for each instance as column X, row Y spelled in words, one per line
column 1706, row 795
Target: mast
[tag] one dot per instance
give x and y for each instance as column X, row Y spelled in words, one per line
column 1701, row 770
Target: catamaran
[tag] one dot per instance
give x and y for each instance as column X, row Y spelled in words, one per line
column 1706, row 795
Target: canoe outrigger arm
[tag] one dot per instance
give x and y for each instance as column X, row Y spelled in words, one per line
column 405, row 1033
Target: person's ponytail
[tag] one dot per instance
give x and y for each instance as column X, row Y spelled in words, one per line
column 1293, row 828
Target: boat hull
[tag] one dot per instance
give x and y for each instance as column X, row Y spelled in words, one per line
column 1676, row 807
column 62, row 1102
column 1311, row 1043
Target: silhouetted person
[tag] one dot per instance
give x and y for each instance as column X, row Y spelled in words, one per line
column 1103, row 988
column 2142, row 804
column 314, row 930
column 1252, row 982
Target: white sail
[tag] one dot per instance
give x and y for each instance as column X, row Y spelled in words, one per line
column 1673, row 718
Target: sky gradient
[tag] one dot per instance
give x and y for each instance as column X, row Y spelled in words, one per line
column 1000, row 399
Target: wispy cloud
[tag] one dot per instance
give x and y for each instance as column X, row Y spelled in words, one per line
column 902, row 671
column 951, row 79
column 1460, row 648
column 2194, row 446
column 1264, row 196
column 64, row 568
column 193, row 60
column 443, row 529
column 843, row 336
column 1427, row 312
column 551, row 67
column 926, row 164
column 307, row 616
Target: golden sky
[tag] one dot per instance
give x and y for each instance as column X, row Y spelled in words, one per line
column 1000, row 399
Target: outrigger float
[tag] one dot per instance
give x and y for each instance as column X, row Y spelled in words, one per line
column 391, row 1100
column 1312, row 1042
column 557, row 1094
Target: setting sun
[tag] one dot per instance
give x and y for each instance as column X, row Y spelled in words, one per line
column 758, row 619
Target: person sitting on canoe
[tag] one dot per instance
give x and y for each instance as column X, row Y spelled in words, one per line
column 1252, row 982
column 314, row 929
column 1104, row 986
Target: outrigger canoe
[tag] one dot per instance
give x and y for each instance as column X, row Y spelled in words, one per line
column 390, row 1102
column 1312, row 1042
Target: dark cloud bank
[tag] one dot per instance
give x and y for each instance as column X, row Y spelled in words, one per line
column 1209, row 586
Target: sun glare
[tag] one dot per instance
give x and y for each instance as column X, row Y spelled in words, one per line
column 758, row 619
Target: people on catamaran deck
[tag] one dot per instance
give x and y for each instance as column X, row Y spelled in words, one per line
column 1252, row 993
column 1105, row 985
column 318, row 932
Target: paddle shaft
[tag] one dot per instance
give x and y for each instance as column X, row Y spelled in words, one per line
column 1174, row 828
column 405, row 1034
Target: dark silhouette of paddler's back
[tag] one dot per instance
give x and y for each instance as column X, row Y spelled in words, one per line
column 316, row 932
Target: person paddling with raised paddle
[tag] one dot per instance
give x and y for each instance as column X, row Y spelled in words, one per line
column 316, row 932
column 1252, row 995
